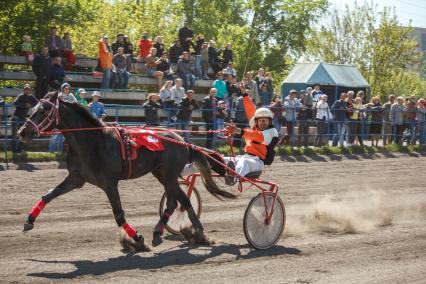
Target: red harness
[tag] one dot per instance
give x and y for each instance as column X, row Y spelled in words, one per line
column 132, row 139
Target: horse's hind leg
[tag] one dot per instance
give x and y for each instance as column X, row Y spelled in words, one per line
column 71, row 182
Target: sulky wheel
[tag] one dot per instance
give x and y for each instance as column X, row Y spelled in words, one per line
column 260, row 233
column 179, row 218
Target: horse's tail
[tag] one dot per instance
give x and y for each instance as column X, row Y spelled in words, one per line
column 204, row 167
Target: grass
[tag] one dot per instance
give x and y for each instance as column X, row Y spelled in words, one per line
column 26, row 157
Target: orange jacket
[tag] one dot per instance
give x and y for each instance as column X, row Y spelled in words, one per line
column 256, row 140
column 105, row 56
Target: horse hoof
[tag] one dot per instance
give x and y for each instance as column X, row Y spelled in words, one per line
column 157, row 240
column 196, row 237
column 28, row 227
column 132, row 245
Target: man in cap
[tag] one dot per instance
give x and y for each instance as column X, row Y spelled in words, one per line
column 23, row 103
column 96, row 107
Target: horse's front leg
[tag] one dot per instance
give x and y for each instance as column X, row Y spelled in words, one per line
column 135, row 242
column 72, row 181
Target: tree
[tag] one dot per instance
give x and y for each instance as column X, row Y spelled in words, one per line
column 375, row 42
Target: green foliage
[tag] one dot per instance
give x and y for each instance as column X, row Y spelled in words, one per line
column 377, row 44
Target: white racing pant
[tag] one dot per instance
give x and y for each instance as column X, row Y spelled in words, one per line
column 244, row 164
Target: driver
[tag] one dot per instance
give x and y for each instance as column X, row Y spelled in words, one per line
column 260, row 138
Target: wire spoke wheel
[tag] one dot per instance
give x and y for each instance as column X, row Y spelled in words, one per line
column 259, row 232
column 179, row 219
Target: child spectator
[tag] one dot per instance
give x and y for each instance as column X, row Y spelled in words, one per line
column 96, row 107
column 186, row 106
column 220, row 85
column 66, row 95
column 79, row 96
column 67, row 52
column 227, row 55
column 120, row 63
column 159, row 45
column 221, row 115
column 27, row 49
column 151, row 108
column 57, row 73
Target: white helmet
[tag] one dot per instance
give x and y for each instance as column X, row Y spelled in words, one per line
column 263, row 112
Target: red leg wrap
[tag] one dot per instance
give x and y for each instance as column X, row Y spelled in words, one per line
column 129, row 230
column 35, row 211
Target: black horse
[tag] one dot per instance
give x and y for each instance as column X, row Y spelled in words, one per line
column 95, row 157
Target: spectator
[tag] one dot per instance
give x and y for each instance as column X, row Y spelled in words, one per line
column 54, row 43
column 184, row 71
column 264, row 94
column 119, row 42
column 205, row 60
column 68, row 52
column 291, row 105
column 120, row 63
column 421, row 120
column 163, row 65
column 186, row 106
column 305, row 115
column 352, row 123
column 151, row 62
column 175, row 52
column 66, row 95
column 364, row 118
column 27, row 48
column 375, row 110
column 209, row 105
column 387, row 127
column 105, row 61
column 23, row 103
column 41, row 67
column 411, row 118
column 277, row 109
column 79, row 96
column 323, row 117
column 251, row 87
column 316, row 92
column 227, row 55
column 358, row 110
column 197, row 56
column 340, row 112
column 230, row 70
column 178, row 92
column 128, row 51
column 144, row 45
column 185, row 36
column 221, row 115
column 269, row 85
column 397, row 119
column 96, row 107
column 214, row 59
column 233, row 90
column 168, row 101
column 57, row 73
column 159, row 45
column 260, row 77
column 151, row 108
column 220, row 85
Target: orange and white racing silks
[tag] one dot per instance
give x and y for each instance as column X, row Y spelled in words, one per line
column 256, row 140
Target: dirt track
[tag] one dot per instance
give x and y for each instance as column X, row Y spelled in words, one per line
column 368, row 226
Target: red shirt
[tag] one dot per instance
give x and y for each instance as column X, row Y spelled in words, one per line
column 144, row 47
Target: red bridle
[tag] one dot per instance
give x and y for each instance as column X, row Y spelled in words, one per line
column 52, row 116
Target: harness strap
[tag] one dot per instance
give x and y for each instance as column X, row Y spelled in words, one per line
column 126, row 150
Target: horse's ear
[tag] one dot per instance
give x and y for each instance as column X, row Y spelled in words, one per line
column 51, row 96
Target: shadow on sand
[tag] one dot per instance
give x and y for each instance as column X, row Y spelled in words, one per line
column 166, row 258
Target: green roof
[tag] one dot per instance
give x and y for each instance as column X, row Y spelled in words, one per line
column 326, row 74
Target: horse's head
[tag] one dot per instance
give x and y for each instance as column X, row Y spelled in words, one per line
column 44, row 116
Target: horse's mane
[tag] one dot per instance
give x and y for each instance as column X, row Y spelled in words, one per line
column 84, row 112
